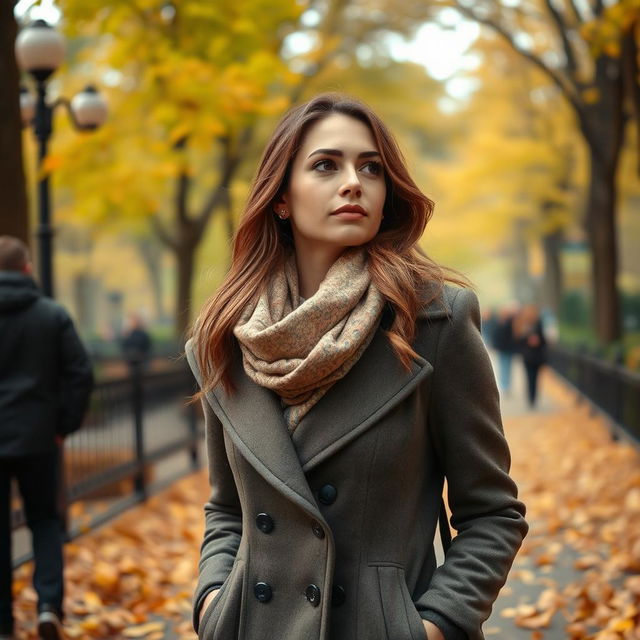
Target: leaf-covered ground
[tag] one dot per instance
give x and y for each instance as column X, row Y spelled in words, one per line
column 134, row 577
column 577, row 573
column 576, row 577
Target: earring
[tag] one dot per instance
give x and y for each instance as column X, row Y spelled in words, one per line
column 283, row 214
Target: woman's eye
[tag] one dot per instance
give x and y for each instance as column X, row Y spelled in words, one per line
column 375, row 168
column 324, row 165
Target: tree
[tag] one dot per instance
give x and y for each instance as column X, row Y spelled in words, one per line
column 194, row 83
column 589, row 52
column 14, row 215
column 508, row 186
column 192, row 80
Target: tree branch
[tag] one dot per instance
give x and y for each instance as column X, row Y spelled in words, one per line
column 163, row 234
column 229, row 164
column 630, row 71
column 183, row 182
column 562, row 28
column 565, row 85
column 598, row 8
column 328, row 28
column 576, row 11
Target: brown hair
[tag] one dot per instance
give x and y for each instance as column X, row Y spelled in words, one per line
column 397, row 266
column 14, row 254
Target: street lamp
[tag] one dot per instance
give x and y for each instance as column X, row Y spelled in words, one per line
column 40, row 51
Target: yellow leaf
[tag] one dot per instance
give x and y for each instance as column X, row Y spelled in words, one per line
column 180, row 131
column 106, row 576
column 623, row 625
column 613, row 49
column 591, row 96
column 143, row 629
column 93, row 601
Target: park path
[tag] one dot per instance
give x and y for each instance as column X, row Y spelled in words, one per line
column 572, row 579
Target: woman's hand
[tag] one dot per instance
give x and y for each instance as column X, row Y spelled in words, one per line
column 207, row 602
column 433, row 633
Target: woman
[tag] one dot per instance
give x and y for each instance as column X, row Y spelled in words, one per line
column 342, row 382
column 532, row 345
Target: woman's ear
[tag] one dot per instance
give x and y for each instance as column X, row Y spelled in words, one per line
column 280, row 207
column 280, row 203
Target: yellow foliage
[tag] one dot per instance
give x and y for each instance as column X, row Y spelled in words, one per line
column 591, row 95
column 51, row 163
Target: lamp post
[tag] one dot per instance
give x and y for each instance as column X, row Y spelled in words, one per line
column 40, row 51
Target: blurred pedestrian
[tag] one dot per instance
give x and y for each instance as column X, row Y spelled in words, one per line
column 488, row 321
column 343, row 377
column 504, row 343
column 136, row 343
column 532, row 346
column 45, row 383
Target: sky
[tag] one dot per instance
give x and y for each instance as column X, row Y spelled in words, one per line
column 440, row 47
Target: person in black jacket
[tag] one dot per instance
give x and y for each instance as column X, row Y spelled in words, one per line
column 136, row 344
column 45, row 384
column 532, row 345
column 505, row 345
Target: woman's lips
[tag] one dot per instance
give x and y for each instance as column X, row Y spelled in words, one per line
column 350, row 212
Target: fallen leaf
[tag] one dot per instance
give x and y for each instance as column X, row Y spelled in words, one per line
column 143, row 630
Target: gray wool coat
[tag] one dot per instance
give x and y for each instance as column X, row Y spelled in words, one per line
column 328, row 534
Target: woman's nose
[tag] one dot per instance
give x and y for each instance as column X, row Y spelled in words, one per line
column 351, row 184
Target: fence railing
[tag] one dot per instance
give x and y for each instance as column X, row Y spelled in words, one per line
column 610, row 387
column 133, row 425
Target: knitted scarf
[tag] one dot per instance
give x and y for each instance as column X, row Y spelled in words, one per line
column 299, row 348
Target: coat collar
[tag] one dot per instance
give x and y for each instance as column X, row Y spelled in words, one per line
column 375, row 384
column 254, row 419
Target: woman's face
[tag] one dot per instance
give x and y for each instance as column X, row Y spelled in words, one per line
column 336, row 188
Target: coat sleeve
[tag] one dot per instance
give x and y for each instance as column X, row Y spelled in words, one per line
column 223, row 514
column 75, row 376
column 467, row 432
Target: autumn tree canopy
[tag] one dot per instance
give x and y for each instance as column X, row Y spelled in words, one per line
column 589, row 51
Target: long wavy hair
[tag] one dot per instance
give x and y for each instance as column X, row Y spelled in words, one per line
column 261, row 242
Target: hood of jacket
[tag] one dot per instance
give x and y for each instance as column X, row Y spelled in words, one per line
column 17, row 291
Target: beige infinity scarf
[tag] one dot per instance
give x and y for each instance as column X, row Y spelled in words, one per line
column 300, row 348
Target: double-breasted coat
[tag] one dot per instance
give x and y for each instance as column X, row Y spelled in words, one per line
column 327, row 534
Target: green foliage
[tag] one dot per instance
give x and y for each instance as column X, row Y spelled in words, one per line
column 576, row 330
column 575, row 309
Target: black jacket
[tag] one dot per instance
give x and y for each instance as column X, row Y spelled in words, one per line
column 503, row 339
column 533, row 354
column 45, row 372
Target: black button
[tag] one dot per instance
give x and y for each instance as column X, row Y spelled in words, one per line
column 317, row 529
column 264, row 522
column 328, row 494
column 262, row 591
column 313, row 594
column 338, row 596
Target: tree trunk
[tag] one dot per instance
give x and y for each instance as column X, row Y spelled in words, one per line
column 524, row 288
column 185, row 257
column 14, row 212
column 553, row 280
column 603, row 124
column 601, row 231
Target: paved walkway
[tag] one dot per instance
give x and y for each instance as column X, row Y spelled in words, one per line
column 527, row 581
column 578, row 486
column 574, row 577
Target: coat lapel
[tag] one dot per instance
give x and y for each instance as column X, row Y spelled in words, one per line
column 375, row 384
column 254, row 419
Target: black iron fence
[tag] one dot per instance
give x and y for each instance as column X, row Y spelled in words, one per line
column 610, row 387
column 139, row 435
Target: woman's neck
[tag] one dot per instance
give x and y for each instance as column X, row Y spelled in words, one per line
column 313, row 265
